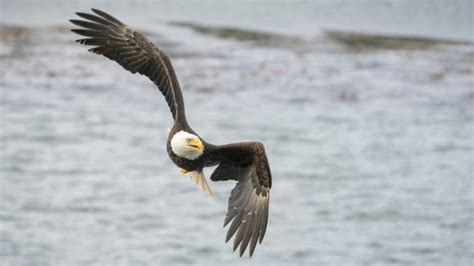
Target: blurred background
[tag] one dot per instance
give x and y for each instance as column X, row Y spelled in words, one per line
column 365, row 108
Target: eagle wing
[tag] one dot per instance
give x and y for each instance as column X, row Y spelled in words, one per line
column 117, row 41
column 246, row 163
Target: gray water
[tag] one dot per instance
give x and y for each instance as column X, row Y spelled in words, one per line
column 371, row 149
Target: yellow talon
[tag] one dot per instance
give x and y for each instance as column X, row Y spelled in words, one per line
column 184, row 171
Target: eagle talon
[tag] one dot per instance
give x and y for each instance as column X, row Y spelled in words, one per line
column 184, row 171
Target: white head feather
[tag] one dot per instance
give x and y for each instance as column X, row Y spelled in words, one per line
column 180, row 147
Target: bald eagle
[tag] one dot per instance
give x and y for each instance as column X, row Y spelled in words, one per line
column 244, row 162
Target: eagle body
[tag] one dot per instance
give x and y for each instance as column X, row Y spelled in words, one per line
column 245, row 162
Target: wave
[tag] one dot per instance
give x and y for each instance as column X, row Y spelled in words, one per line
column 367, row 41
column 353, row 41
column 238, row 34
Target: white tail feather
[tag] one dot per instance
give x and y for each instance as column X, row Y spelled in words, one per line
column 200, row 181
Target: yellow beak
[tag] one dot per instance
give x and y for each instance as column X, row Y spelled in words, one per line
column 196, row 144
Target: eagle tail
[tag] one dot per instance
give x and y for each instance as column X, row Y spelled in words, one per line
column 200, row 181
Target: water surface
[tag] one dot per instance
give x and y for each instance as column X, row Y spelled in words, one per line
column 371, row 149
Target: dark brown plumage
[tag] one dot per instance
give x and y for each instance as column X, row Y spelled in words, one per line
column 115, row 40
column 248, row 203
column 245, row 162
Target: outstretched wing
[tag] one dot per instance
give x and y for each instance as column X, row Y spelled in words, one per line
column 249, row 201
column 117, row 41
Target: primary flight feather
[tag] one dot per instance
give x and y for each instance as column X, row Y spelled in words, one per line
column 244, row 162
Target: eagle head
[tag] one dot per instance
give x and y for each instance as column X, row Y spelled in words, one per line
column 187, row 145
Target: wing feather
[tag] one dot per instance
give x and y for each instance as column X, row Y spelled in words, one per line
column 117, row 41
column 248, row 206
